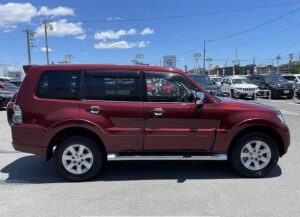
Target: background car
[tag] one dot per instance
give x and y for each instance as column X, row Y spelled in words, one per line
column 207, row 84
column 238, row 87
column 17, row 83
column 7, row 91
column 275, row 83
column 292, row 78
column 217, row 80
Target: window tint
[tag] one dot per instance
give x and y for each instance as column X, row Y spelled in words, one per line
column 289, row 77
column 168, row 87
column 59, row 85
column 256, row 79
column 101, row 86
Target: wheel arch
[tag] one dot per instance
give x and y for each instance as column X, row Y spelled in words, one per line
column 73, row 131
column 260, row 129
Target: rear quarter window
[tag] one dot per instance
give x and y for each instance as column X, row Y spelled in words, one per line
column 59, row 85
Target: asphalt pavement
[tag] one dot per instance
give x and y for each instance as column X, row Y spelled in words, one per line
column 30, row 186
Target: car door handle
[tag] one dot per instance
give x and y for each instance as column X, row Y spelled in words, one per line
column 158, row 112
column 94, row 109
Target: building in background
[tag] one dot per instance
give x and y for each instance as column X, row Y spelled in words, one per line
column 291, row 67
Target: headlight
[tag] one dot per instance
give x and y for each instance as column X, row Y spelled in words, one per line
column 281, row 118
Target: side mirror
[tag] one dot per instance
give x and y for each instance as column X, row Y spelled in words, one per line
column 295, row 80
column 199, row 98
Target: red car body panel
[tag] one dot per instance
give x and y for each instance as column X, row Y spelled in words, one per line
column 130, row 126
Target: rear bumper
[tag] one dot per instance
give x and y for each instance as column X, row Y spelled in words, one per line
column 39, row 150
column 28, row 138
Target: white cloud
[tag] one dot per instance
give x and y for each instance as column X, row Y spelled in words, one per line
column 113, row 18
column 43, row 49
column 62, row 28
column 147, row 31
column 81, row 37
column 110, row 34
column 12, row 14
column 58, row 11
column 121, row 45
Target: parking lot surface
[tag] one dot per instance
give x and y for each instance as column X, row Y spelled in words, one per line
column 30, row 186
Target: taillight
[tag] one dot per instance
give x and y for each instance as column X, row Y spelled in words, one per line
column 17, row 116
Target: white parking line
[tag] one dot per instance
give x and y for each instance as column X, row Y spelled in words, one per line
column 289, row 113
column 284, row 102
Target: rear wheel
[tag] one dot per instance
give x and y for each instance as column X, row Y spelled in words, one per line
column 254, row 155
column 78, row 158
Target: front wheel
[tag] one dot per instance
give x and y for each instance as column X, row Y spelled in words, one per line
column 78, row 158
column 254, row 155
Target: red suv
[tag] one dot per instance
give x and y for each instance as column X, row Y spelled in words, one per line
column 84, row 115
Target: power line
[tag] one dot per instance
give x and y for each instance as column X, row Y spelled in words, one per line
column 234, row 10
column 257, row 26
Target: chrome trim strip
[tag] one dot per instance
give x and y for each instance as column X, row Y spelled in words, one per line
column 115, row 157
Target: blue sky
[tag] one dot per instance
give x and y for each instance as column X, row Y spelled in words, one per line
column 118, row 42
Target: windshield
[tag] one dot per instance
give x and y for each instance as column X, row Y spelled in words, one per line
column 241, row 81
column 216, row 79
column 202, row 79
column 274, row 78
column 10, row 86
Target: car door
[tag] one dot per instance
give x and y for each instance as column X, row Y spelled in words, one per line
column 225, row 87
column 172, row 121
column 112, row 100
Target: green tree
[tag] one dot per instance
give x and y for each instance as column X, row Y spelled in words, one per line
column 238, row 70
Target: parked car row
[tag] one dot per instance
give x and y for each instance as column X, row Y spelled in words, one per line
column 242, row 86
column 7, row 91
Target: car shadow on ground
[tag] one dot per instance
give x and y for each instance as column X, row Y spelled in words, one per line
column 32, row 169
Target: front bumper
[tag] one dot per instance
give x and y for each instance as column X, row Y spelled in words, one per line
column 4, row 101
column 282, row 92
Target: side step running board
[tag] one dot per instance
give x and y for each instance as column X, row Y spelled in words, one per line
column 116, row 157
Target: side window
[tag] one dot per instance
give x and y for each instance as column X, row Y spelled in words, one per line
column 168, row 87
column 106, row 86
column 59, row 85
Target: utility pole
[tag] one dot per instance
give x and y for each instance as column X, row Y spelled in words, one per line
column 291, row 57
column 253, row 61
column 204, row 52
column 196, row 57
column 47, row 25
column 278, row 57
column 209, row 59
column 236, row 56
column 29, row 37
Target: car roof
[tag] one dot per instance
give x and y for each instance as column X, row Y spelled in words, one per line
column 100, row 67
column 236, row 77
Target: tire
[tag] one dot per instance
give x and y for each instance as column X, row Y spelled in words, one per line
column 290, row 96
column 253, row 97
column 232, row 94
column 260, row 164
column 86, row 155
